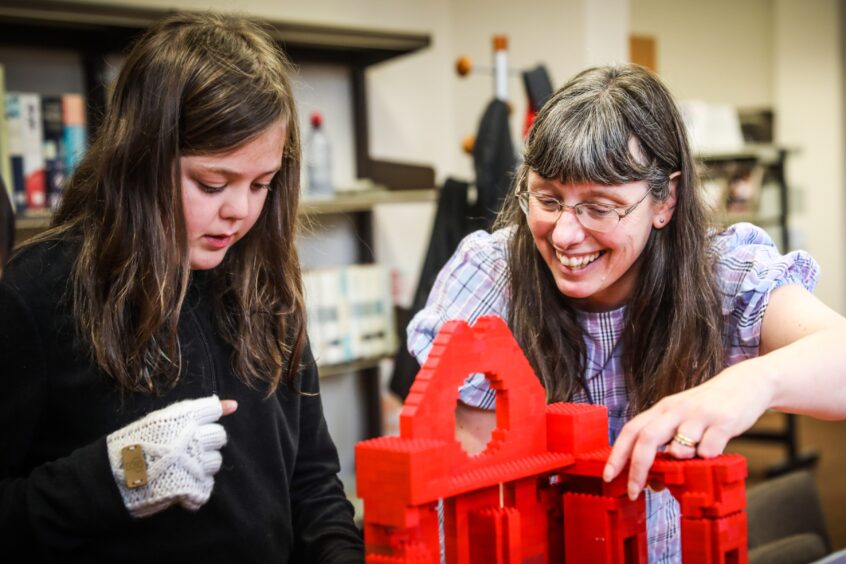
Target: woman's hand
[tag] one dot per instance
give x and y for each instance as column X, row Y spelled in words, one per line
column 697, row 422
column 802, row 369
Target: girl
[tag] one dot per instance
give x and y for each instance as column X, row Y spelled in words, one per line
column 621, row 294
column 170, row 279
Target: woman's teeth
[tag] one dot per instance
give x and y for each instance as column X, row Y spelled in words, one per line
column 575, row 263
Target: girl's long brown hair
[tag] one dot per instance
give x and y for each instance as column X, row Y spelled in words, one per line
column 672, row 335
column 192, row 84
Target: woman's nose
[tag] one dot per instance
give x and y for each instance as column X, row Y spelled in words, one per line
column 568, row 230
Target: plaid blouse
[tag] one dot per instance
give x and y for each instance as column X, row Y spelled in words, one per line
column 474, row 283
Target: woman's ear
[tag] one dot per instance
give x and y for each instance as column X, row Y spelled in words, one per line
column 664, row 212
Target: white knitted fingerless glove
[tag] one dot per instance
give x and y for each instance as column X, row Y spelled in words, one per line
column 180, row 446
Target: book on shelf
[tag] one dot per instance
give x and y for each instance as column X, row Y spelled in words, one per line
column 32, row 142
column 333, row 318
column 14, row 141
column 350, row 313
column 54, row 166
column 74, row 134
column 5, row 162
column 734, row 187
column 44, row 138
column 371, row 310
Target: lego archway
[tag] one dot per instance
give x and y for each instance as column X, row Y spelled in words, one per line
column 487, row 347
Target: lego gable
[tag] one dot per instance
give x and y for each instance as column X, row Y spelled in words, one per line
column 460, row 350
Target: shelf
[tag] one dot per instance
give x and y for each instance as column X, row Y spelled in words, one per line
column 764, row 153
column 32, row 221
column 330, row 370
column 94, row 30
column 764, row 220
column 364, row 200
column 62, row 23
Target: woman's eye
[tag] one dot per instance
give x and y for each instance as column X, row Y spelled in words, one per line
column 598, row 210
column 548, row 203
column 261, row 186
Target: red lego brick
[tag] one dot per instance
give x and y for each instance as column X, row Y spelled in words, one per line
column 604, row 530
column 495, row 536
column 713, row 487
column 418, row 543
column 715, row 541
column 576, row 428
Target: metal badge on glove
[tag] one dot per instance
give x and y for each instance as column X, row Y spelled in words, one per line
column 134, row 468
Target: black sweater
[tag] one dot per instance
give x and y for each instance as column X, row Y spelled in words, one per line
column 276, row 498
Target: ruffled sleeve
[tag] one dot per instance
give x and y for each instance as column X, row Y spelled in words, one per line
column 470, row 285
column 473, row 283
column 749, row 267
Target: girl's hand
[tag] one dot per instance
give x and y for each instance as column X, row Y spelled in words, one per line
column 228, row 407
column 697, row 422
column 169, row 456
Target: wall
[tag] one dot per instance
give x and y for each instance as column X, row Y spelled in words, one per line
column 809, row 97
column 719, row 51
column 779, row 54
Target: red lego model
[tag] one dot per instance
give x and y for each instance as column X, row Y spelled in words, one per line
column 535, row 494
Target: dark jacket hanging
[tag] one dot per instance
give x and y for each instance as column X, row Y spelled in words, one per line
column 494, row 162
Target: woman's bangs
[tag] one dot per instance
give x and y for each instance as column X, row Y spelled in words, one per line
column 581, row 150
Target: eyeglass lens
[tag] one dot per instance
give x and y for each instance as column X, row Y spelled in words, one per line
column 549, row 210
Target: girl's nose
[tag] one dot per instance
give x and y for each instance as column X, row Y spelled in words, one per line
column 236, row 203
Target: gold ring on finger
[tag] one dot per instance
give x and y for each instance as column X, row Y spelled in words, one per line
column 684, row 440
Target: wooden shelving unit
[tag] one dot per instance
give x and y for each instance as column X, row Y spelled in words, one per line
column 364, row 200
column 773, row 158
column 96, row 31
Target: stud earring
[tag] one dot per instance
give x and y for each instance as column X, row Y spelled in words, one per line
column 661, row 220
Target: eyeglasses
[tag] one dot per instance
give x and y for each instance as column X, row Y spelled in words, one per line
column 593, row 216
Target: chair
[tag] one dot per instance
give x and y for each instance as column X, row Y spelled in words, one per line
column 785, row 521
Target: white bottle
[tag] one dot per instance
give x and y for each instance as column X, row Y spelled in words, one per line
column 318, row 155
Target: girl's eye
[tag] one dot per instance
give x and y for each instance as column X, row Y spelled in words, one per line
column 259, row 186
column 208, row 189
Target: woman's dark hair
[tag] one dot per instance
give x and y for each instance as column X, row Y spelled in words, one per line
column 196, row 84
column 613, row 125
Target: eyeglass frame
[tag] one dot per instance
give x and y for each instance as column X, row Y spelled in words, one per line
column 621, row 212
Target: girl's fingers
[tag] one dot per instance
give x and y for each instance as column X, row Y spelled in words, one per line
column 228, row 406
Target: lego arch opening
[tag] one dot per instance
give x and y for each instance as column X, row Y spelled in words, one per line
column 474, row 426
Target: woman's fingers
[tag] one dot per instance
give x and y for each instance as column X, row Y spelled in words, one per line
column 672, row 422
column 686, row 439
column 713, row 442
column 651, row 438
column 625, row 443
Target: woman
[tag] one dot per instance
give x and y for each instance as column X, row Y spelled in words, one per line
column 621, row 294
column 168, row 280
